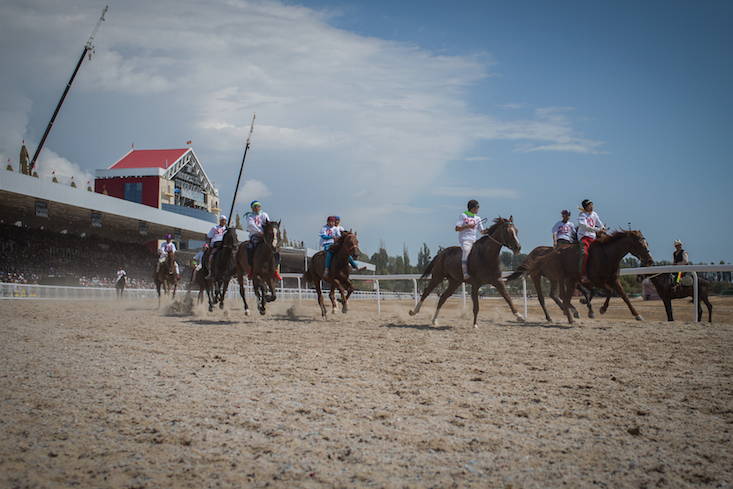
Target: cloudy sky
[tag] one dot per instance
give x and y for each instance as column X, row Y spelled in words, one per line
column 395, row 114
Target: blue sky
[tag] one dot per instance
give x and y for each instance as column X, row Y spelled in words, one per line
column 395, row 114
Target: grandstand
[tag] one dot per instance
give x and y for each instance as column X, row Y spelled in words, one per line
column 138, row 200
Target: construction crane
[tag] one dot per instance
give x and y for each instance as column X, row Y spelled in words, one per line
column 87, row 48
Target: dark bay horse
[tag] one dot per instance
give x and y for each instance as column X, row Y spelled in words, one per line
column 338, row 276
column 198, row 277
column 166, row 276
column 484, row 267
column 120, row 286
column 604, row 259
column 537, row 253
column 222, row 268
column 666, row 290
column 263, row 266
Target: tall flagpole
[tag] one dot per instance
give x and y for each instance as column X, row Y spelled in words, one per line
column 249, row 139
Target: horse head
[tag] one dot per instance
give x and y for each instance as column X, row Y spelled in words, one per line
column 505, row 233
column 271, row 234
column 230, row 238
column 640, row 248
column 350, row 243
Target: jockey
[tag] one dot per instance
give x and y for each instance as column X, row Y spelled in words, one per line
column 198, row 260
column 337, row 221
column 121, row 273
column 562, row 231
column 328, row 233
column 679, row 257
column 215, row 237
column 588, row 225
column 165, row 249
column 255, row 225
column 468, row 223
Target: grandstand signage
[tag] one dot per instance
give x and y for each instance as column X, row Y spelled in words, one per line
column 96, row 219
column 143, row 228
column 41, row 209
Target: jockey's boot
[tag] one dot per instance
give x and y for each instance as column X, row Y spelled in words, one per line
column 249, row 273
column 466, row 276
column 277, row 275
column 584, row 279
column 326, row 273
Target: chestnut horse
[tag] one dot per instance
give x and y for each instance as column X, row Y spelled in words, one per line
column 604, row 259
column 338, row 276
column 263, row 266
column 541, row 251
column 484, row 267
column 666, row 290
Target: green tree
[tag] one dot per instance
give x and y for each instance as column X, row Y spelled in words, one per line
column 423, row 258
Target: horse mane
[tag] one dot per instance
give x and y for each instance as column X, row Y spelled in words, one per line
column 614, row 236
column 338, row 242
column 498, row 222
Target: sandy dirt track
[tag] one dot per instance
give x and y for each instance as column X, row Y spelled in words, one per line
column 122, row 394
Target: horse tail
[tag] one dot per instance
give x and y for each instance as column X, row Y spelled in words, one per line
column 429, row 269
column 528, row 266
column 308, row 278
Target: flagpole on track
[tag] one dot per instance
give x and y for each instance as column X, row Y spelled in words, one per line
column 249, row 139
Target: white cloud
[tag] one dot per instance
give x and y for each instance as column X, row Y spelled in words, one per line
column 485, row 192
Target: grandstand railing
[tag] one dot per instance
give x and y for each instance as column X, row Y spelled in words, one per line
column 32, row 291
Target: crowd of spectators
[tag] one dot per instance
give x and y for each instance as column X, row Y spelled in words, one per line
column 32, row 255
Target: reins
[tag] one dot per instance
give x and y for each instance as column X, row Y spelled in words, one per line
column 502, row 235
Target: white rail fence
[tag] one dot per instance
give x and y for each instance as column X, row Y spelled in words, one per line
column 28, row 291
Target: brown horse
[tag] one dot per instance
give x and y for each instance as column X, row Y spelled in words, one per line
column 166, row 276
column 537, row 253
column 604, row 259
column 338, row 276
column 263, row 266
column 198, row 277
column 667, row 291
column 120, row 286
column 484, row 267
column 222, row 268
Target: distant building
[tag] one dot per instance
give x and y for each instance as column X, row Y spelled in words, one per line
column 169, row 179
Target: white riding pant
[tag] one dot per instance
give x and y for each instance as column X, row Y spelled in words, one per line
column 466, row 247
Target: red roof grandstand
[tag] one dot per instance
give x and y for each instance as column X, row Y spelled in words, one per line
column 149, row 158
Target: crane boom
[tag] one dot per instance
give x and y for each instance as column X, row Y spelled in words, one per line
column 87, row 47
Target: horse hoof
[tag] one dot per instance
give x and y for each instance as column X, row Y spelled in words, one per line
column 576, row 315
column 412, row 313
column 334, row 310
column 592, row 315
column 435, row 322
column 520, row 318
column 603, row 310
column 639, row 318
column 211, row 308
column 475, row 326
column 345, row 310
column 221, row 305
column 262, row 312
column 247, row 312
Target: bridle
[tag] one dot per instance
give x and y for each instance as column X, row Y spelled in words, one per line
column 503, row 238
column 354, row 246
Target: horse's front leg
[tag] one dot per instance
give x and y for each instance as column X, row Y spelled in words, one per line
column 259, row 287
column 620, row 291
column 241, row 292
column 273, row 290
column 499, row 285
column 332, row 296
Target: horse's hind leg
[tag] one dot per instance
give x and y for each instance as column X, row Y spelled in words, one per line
column 434, row 282
column 452, row 286
column 501, row 287
column 541, row 297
